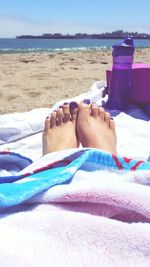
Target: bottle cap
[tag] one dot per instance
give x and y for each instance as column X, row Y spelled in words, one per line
column 128, row 42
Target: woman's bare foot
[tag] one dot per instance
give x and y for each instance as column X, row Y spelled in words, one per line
column 60, row 129
column 95, row 128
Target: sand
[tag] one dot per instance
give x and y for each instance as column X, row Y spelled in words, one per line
column 35, row 80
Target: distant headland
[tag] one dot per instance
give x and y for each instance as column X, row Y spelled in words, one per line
column 107, row 35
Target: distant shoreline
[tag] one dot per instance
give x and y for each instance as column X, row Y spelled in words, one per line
column 70, row 37
column 113, row 35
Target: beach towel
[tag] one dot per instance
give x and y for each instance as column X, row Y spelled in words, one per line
column 99, row 216
column 77, row 207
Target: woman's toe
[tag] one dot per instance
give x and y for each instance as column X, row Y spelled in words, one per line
column 94, row 110
column 112, row 124
column 66, row 112
column 74, row 110
column 101, row 113
column 107, row 118
column 47, row 124
column 59, row 116
column 53, row 119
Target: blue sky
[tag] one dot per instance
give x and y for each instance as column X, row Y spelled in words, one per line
column 72, row 16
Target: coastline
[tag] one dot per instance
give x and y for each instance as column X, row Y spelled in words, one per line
column 36, row 80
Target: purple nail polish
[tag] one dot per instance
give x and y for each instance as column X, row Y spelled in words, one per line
column 65, row 103
column 73, row 105
column 60, row 106
column 86, row 101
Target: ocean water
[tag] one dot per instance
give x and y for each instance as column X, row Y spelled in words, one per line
column 57, row 45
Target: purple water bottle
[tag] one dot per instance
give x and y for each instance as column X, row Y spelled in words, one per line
column 120, row 85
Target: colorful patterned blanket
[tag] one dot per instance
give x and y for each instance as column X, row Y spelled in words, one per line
column 94, row 210
column 16, row 189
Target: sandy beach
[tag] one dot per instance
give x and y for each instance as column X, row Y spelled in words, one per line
column 36, row 80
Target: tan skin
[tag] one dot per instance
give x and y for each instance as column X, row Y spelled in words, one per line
column 82, row 123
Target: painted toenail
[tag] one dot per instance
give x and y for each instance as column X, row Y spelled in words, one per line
column 60, row 106
column 111, row 118
column 86, row 101
column 65, row 103
column 73, row 105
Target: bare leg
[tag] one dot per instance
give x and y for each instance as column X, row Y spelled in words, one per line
column 60, row 129
column 95, row 128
